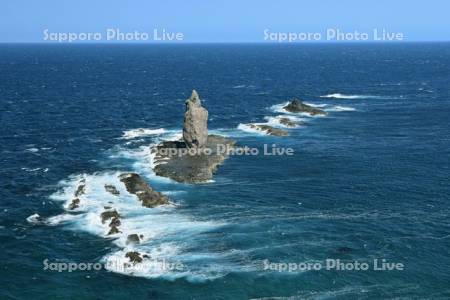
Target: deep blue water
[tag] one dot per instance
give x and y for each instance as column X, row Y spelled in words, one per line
column 374, row 179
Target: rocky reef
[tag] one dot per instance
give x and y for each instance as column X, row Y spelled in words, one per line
column 297, row 106
column 289, row 123
column 195, row 158
column 269, row 129
column 191, row 168
column 139, row 187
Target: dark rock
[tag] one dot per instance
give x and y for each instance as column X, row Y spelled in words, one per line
column 287, row 122
column 107, row 207
column 189, row 168
column 134, row 256
column 139, row 187
column 81, row 189
column 115, row 222
column 112, row 189
column 296, row 106
column 133, row 239
column 269, row 129
column 109, row 214
column 195, row 126
column 113, row 230
column 74, row 204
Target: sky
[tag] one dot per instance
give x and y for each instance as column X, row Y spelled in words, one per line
column 223, row 20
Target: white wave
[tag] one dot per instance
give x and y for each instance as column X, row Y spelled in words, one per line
column 141, row 132
column 157, row 225
column 239, row 86
column 34, row 219
column 279, row 108
column 173, row 135
column 32, row 150
column 249, row 129
column 340, row 108
column 276, row 121
column 58, row 219
column 343, row 96
column 31, row 170
column 158, row 265
column 316, row 105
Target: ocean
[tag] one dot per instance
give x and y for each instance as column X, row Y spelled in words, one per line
column 369, row 181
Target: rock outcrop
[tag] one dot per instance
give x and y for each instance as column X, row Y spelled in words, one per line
column 195, row 126
column 175, row 160
column 81, row 189
column 196, row 168
column 139, row 187
column 115, row 222
column 112, row 189
column 269, row 129
column 297, row 106
column 134, row 257
column 74, row 204
column 288, row 122
column 134, row 238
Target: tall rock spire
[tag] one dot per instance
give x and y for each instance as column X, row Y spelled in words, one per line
column 195, row 127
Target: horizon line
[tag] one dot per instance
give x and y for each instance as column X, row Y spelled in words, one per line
column 227, row 42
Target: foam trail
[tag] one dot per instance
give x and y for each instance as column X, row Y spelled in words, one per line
column 316, row 105
column 279, row 107
column 343, row 96
column 141, row 132
column 247, row 128
column 338, row 108
column 276, row 121
column 34, row 219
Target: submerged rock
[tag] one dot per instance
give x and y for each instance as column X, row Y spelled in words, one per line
column 297, row 106
column 139, row 187
column 195, row 167
column 269, row 129
column 195, row 126
column 112, row 189
column 134, row 256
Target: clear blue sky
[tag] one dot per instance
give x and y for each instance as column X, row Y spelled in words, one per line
column 224, row 20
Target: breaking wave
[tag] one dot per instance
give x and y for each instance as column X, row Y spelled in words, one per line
column 343, row 96
column 141, row 132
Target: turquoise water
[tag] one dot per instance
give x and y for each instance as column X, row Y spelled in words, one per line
column 369, row 181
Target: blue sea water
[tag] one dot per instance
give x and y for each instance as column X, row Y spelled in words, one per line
column 368, row 181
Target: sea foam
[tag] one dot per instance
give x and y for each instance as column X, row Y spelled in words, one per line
column 343, row 96
column 141, row 132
